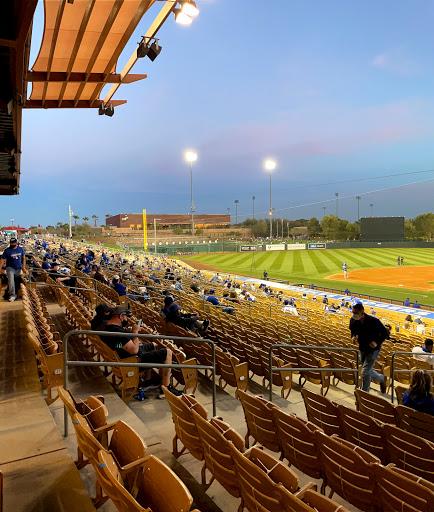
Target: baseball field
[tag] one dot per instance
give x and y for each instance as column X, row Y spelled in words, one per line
column 370, row 271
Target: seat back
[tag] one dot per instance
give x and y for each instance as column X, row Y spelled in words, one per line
column 258, row 413
column 87, row 442
column 363, row 431
column 127, row 445
column 415, row 422
column 400, row 491
column 185, row 426
column 322, row 412
column 375, row 406
column 298, row 442
column 347, row 471
column 410, row 452
column 216, row 437
column 319, row 503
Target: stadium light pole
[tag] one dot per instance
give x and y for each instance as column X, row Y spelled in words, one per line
column 253, row 198
column 358, row 207
column 324, row 209
column 191, row 157
column 236, row 211
column 337, row 211
column 270, row 165
column 155, row 234
column 372, row 207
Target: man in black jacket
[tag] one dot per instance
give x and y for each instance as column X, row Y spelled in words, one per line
column 370, row 334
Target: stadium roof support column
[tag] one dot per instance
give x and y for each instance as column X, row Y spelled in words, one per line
column 152, row 31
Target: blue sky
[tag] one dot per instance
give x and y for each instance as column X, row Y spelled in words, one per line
column 334, row 91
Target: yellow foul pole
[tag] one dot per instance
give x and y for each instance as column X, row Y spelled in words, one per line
column 145, row 232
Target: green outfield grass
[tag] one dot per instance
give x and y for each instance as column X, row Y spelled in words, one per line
column 313, row 266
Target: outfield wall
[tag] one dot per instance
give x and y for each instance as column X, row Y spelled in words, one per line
column 375, row 245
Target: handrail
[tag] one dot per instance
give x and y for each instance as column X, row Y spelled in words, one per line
column 392, row 384
column 67, row 363
column 322, row 369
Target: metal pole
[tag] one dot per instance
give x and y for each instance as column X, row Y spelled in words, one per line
column 358, row 207
column 271, row 212
column 70, row 226
column 192, row 205
column 337, row 212
column 155, row 235
column 253, row 206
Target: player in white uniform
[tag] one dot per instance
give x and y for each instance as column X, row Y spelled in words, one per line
column 344, row 268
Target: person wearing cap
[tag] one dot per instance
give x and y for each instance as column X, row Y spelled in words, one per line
column 99, row 276
column 212, row 298
column 103, row 314
column 13, row 262
column 61, row 278
column 172, row 313
column 426, row 349
column 145, row 352
column 407, row 302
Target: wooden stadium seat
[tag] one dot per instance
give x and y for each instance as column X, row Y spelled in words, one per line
column 127, row 447
column 265, row 483
column 322, row 412
column 307, row 360
column 313, row 501
column 364, row 431
column 298, row 441
column 375, row 406
column 185, row 426
column 410, row 452
column 159, row 489
column 399, row 392
column 216, row 437
column 93, row 407
column 231, row 371
column 343, row 361
column 416, row 422
column 258, row 413
column 1, row 491
column 347, row 471
column 400, row 491
column 253, row 360
column 282, row 379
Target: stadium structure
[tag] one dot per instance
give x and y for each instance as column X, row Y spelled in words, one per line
column 167, row 221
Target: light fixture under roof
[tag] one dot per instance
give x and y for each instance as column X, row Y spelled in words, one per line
column 181, row 17
column 190, row 8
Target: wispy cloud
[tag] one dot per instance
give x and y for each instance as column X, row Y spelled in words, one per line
column 396, row 61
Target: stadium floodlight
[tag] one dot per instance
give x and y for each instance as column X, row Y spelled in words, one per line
column 236, row 210
column 191, row 156
column 270, row 165
column 188, row 10
column 182, row 18
column 146, row 48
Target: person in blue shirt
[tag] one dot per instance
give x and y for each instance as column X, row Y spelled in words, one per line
column 325, row 300
column 211, row 298
column 416, row 304
column 45, row 264
column 86, row 270
column 13, row 262
column 312, row 287
column 407, row 302
column 419, row 396
column 120, row 288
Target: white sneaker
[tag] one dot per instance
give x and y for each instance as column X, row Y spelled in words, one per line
column 12, row 298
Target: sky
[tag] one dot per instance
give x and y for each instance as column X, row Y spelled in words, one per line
column 336, row 92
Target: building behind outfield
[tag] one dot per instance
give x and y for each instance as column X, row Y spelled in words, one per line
column 167, row 221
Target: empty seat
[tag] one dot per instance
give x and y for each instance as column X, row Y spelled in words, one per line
column 216, row 437
column 298, row 441
column 415, row 422
column 307, row 360
column 347, row 471
column 375, row 406
column 322, row 412
column 232, row 372
column 410, row 452
column 400, row 491
column 364, row 431
column 258, row 413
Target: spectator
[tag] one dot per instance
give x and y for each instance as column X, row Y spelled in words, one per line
column 13, row 263
column 178, row 284
column 389, row 328
column 325, row 300
column 407, row 302
column 99, row 276
column 419, row 396
column 418, row 320
column 265, row 275
column 194, row 287
column 416, row 304
column 211, row 298
column 427, row 349
column 103, row 315
column 45, row 264
column 61, row 278
column 172, row 313
column 146, row 353
column 370, row 333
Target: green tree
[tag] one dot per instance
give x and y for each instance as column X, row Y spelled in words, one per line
column 85, row 219
column 75, row 217
column 314, row 227
column 177, row 231
column 425, row 225
column 50, row 228
column 410, row 229
column 260, row 228
column 107, row 215
column 95, row 218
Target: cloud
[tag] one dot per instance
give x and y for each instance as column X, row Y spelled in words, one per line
column 396, row 61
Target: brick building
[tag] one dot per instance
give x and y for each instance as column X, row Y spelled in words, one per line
column 167, row 221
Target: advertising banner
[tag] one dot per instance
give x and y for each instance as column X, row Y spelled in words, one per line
column 248, row 248
column 295, row 247
column 317, row 246
column 275, row 247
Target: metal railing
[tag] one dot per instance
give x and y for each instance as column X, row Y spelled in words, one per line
column 392, row 383
column 67, row 362
column 272, row 369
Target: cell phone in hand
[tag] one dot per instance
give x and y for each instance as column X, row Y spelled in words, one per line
column 139, row 323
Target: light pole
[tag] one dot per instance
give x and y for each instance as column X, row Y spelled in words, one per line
column 372, row 209
column 191, row 157
column 155, row 234
column 270, row 165
column 12, row 222
column 253, row 198
column 324, row 209
column 337, row 211
column 71, row 213
column 236, row 211
column 358, row 207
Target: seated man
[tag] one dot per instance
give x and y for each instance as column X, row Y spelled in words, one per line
column 61, row 278
column 172, row 313
column 103, row 315
column 146, row 352
column 427, row 349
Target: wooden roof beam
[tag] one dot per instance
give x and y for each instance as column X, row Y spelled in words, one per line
column 70, row 103
column 56, row 76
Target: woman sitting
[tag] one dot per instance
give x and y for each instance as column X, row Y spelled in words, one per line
column 419, row 396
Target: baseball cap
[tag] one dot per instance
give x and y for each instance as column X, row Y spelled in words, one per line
column 55, row 264
column 116, row 277
column 120, row 310
column 13, row 241
column 103, row 308
column 168, row 300
column 212, row 291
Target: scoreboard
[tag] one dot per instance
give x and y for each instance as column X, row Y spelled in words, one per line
column 382, row 229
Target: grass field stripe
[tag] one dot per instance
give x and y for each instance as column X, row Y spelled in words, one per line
column 327, row 262
column 333, row 258
column 319, row 265
column 380, row 262
column 297, row 262
column 352, row 261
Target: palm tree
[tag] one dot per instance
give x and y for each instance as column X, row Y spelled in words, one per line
column 75, row 217
column 85, row 219
column 95, row 217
